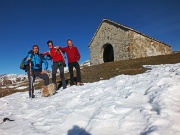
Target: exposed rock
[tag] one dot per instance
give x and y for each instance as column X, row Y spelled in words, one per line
column 6, row 82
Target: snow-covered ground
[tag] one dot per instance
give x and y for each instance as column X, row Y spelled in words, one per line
column 21, row 87
column 143, row 104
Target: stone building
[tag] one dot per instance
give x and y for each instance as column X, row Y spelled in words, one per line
column 115, row 42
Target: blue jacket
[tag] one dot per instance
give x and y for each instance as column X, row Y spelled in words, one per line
column 37, row 62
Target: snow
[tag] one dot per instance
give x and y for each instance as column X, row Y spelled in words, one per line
column 86, row 63
column 143, row 104
column 8, row 86
column 11, row 86
column 66, row 70
column 21, row 87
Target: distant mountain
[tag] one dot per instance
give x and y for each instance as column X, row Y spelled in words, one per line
column 6, row 79
column 2, row 75
column 86, row 63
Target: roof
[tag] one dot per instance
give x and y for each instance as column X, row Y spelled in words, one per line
column 122, row 27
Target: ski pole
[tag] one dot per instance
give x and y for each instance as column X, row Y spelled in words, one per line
column 31, row 79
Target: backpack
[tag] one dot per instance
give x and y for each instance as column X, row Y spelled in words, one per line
column 25, row 67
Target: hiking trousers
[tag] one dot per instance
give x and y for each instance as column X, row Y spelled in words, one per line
column 55, row 67
column 78, row 73
column 36, row 73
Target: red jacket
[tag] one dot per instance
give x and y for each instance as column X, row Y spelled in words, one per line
column 55, row 54
column 72, row 53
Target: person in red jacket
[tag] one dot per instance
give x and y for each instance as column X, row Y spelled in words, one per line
column 73, row 56
column 58, row 63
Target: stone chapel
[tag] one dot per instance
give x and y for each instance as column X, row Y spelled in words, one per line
column 114, row 42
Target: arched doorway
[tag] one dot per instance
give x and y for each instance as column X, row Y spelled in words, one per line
column 108, row 54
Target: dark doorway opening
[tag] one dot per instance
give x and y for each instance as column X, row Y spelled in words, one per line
column 108, row 54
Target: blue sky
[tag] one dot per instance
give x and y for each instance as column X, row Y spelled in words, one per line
column 24, row 23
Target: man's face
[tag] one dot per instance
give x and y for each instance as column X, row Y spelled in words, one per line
column 69, row 43
column 50, row 45
column 35, row 49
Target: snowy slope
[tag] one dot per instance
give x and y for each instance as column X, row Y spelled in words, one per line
column 144, row 104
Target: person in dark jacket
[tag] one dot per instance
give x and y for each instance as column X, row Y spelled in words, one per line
column 38, row 67
column 58, row 63
column 73, row 56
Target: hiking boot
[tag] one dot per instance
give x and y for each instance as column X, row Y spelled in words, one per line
column 32, row 96
column 80, row 84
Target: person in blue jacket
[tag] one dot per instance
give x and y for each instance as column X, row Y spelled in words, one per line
column 37, row 68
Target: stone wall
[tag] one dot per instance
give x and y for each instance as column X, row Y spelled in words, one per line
column 143, row 46
column 109, row 34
